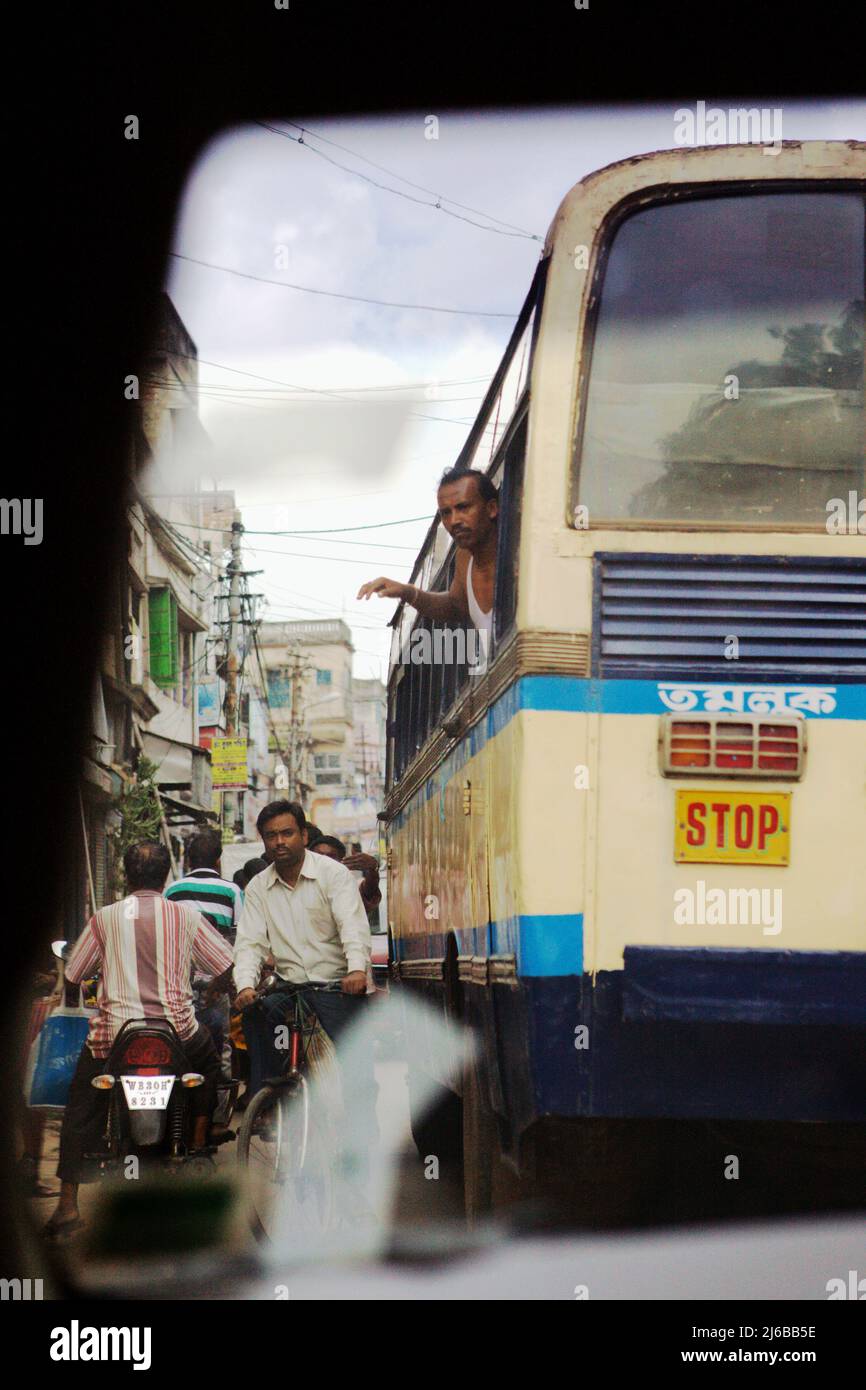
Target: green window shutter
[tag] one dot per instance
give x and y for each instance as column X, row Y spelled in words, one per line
column 175, row 644
column 163, row 637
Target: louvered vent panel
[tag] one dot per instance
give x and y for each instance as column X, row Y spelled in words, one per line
column 670, row 614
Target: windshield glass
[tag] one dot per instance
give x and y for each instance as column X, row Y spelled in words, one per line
column 726, row 381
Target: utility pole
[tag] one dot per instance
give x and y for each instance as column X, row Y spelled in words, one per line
column 364, row 758
column 296, row 729
column 235, row 575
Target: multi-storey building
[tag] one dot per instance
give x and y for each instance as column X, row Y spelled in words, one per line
column 309, row 670
column 160, row 635
column 329, row 725
column 369, row 702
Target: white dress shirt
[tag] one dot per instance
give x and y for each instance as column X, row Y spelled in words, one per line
column 316, row 931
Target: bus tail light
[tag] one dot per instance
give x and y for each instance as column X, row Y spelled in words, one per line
column 778, row 748
column 732, row 746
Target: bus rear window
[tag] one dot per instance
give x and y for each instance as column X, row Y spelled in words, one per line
column 727, row 371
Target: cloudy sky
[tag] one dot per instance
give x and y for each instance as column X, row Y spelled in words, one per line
column 406, row 381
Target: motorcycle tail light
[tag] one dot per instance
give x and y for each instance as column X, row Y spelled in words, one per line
column 103, row 1082
column 192, row 1078
column 147, row 1052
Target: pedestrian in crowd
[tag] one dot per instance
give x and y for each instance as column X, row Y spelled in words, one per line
column 240, row 879
column 314, row 835
column 306, row 910
column 253, row 867
column 329, row 845
column 369, row 889
column 468, row 505
column 220, row 903
column 371, row 893
column 146, row 957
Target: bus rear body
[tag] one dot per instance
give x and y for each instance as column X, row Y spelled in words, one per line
column 632, row 853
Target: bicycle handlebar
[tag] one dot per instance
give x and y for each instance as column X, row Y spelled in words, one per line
column 332, row 986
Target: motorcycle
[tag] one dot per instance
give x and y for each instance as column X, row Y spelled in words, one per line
column 148, row 1076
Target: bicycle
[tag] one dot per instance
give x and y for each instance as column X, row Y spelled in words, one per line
column 286, row 1142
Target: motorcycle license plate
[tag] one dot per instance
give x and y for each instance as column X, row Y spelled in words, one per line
column 147, row 1092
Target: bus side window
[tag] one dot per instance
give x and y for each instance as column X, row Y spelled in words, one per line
column 436, row 682
column 423, row 675
column 510, row 499
column 401, row 720
column 415, row 734
column 448, row 680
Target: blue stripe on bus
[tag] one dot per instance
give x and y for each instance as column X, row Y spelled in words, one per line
column 544, row 943
column 576, row 695
column 551, row 944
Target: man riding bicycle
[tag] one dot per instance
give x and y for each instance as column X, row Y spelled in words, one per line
column 305, row 910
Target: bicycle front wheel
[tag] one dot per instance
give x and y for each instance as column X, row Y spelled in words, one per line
column 288, row 1169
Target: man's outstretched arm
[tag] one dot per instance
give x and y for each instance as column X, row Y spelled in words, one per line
column 447, row 607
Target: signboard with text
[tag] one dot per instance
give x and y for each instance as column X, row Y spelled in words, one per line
column 229, row 764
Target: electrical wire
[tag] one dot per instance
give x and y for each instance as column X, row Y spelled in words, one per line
column 332, row 394
column 190, row 549
column 379, row 545
column 267, row 698
column 186, row 545
column 334, row 559
column 292, row 609
column 279, row 607
column 288, row 600
column 369, row 526
column 437, row 206
column 334, row 294
column 275, row 395
column 231, row 399
column 421, row 188
column 319, row 390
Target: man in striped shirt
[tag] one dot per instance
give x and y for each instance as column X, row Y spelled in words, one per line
column 220, row 903
column 145, row 947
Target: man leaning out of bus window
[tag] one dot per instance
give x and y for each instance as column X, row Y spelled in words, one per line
column 468, row 506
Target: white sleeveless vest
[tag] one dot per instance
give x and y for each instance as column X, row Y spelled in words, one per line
column 482, row 621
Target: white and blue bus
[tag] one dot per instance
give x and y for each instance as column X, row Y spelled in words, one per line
column 632, row 853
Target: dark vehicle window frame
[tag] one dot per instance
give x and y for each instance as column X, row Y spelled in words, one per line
column 634, row 204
